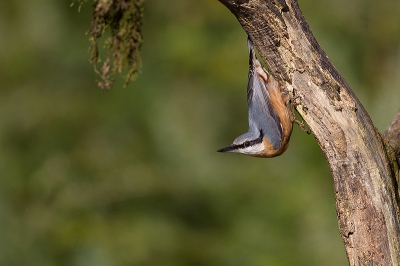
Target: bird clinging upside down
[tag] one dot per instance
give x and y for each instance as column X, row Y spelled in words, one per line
column 270, row 123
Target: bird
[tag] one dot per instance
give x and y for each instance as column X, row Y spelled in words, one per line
column 270, row 123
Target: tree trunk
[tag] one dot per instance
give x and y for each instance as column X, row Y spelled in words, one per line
column 363, row 171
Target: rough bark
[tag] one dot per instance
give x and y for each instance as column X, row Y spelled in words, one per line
column 392, row 135
column 364, row 175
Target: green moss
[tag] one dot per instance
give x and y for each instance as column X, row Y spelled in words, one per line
column 121, row 20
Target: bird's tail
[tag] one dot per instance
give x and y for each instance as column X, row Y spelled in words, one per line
column 251, row 50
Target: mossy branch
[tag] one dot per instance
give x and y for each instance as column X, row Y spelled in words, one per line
column 122, row 20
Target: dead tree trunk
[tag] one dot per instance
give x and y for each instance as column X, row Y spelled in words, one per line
column 364, row 171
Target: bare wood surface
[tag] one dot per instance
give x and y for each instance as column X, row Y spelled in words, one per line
column 364, row 180
column 392, row 135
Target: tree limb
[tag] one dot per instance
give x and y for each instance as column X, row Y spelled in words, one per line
column 392, row 135
column 364, row 181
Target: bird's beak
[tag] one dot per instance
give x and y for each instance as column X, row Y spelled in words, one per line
column 227, row 149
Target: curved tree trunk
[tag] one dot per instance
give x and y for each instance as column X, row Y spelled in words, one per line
column 363, row 171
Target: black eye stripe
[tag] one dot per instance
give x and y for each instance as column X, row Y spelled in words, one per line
column 250, row 142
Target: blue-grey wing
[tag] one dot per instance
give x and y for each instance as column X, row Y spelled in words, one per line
column 271, row 109
column 261, row 112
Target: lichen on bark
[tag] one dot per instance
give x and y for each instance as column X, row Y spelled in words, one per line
column 121, row 21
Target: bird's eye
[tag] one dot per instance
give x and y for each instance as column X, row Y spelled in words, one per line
column 246, row 144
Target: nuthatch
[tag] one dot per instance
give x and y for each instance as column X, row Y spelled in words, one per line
column 270, row 124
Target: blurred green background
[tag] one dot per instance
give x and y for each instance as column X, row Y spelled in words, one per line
column 132, row 176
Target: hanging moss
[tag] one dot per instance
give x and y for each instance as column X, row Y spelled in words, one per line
column 121, row 21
